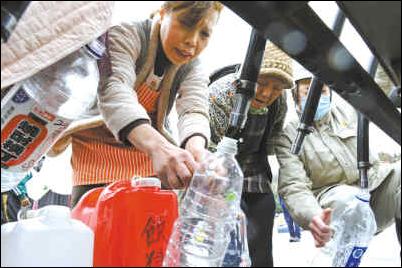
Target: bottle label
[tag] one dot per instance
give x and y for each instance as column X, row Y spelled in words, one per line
column 27, row 131
column 355, row 256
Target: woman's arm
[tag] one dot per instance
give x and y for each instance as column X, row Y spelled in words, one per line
column 192, row 109
column 118, row 100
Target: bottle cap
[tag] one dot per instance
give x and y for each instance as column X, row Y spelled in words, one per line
column 227, row 145
column 96, row 48
column 145, row 182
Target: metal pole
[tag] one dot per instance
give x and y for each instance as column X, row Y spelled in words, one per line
column 306, row 121
column 246, row 84
column 363, row 162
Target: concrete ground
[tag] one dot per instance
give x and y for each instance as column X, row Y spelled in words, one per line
column 383, row 251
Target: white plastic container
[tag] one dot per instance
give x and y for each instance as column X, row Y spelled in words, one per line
column 49, row 237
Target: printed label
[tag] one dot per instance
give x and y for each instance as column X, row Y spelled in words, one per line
column 19, row 138
column 355, row 256
column 27, row 131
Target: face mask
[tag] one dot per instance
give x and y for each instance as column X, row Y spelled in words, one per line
column 323, row 107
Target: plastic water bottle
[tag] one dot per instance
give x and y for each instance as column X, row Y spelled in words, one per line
column 35, row 112
column 354, row 227
column 201, row 233
column 215, row 189
column 237, row 253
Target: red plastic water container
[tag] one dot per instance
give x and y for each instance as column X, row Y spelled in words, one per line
column 132, row 221
column 85, row 210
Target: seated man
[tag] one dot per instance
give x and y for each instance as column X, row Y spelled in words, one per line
column 324, row 176
column 264, row 122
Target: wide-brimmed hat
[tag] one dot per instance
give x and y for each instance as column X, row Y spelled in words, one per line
column 49, row 31
column 278, row 64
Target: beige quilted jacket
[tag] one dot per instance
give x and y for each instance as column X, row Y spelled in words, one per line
column 47, row 32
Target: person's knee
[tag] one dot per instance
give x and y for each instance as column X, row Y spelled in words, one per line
column 339, row 197
column 392, row 190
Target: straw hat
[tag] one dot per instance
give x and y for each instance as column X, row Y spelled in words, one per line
column 278, row 64
column 49, row 31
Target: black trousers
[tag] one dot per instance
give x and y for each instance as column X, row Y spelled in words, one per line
column 260, row 212
column 53, row 198
column 80, row 190
column 10, row 206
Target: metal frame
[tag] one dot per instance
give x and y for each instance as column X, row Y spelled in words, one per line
column 367, row 18
column 275, row 20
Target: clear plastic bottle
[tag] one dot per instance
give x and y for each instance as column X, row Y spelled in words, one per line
column 215, row 189
column 196, row 242
column 35, row 112
column 207, row 212
column 354, row 227
column 237, row 253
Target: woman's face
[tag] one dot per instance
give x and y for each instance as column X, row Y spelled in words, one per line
column 303, row 87
column 268, row 90
column 182, row 42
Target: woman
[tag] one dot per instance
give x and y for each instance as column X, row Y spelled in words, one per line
column 148, row 66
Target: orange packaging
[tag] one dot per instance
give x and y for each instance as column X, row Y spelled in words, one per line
column 132, row 221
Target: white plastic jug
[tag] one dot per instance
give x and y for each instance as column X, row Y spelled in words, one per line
column 49, row 237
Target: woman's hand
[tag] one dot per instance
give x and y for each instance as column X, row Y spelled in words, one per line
column 173, row 165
